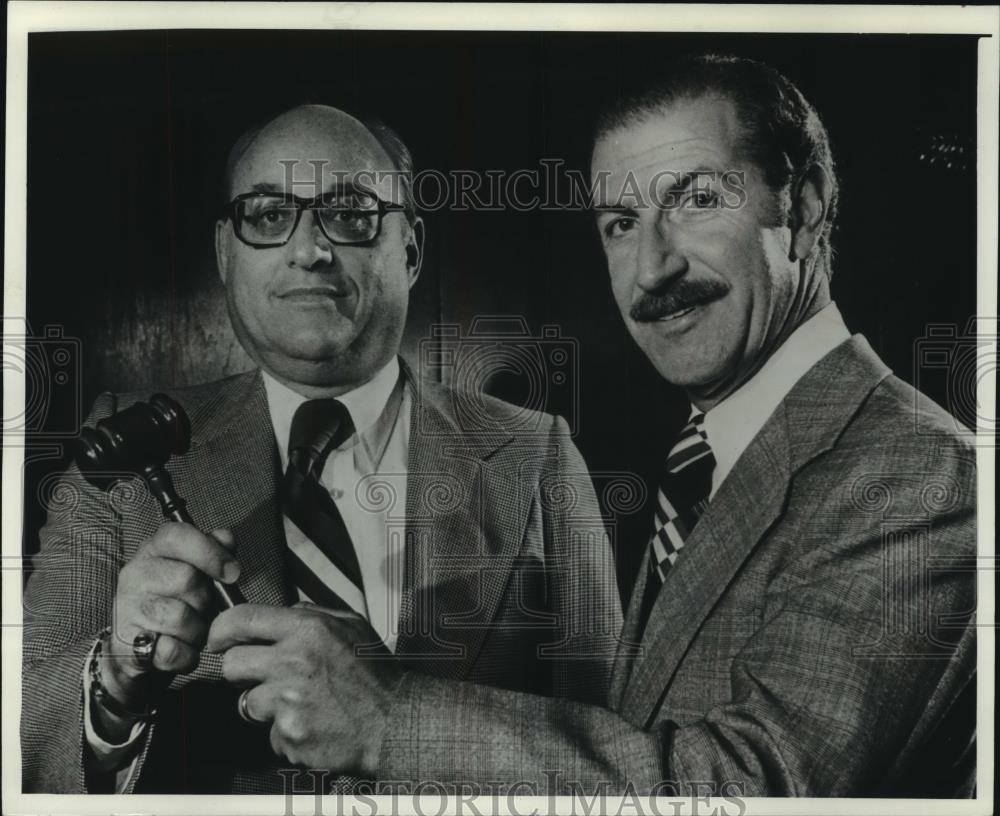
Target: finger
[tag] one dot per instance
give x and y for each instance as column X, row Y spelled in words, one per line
column 225, row 538
column 251, row 665
column 291, row 720
column 182, row 542
column 173, row 617
column 261, row 702
column 343, row 614
column 174, row 579
column 252, row 623
column 290, row 725
column 169, row 654
column 349, row 627
column 173, row 655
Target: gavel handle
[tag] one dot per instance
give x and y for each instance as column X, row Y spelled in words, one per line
column 175, row 509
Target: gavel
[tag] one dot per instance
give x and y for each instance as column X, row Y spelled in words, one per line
column 140, row 440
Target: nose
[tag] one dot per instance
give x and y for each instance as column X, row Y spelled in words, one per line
column 309, row 248
column 659, row 259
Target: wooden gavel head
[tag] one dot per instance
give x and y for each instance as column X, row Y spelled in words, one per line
column 138, row 440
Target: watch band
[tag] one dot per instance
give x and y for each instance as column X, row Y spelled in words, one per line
column 102, row 696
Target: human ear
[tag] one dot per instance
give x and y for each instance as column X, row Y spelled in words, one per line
column 221, row 250
column 810, row 202
column 415, row 250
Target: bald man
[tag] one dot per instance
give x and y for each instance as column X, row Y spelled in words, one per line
column 328, row 484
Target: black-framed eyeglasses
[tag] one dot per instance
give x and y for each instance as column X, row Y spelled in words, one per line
column 264, row 220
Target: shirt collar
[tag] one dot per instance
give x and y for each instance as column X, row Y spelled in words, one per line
column 373, row 408
column 733, row 423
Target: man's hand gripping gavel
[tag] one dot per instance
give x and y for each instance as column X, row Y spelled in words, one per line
column 168, row 594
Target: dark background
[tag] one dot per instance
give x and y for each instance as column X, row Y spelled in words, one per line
column 128, row 132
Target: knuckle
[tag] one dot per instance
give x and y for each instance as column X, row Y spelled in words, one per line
column 256, row 615
column 134, row 575
column 244, row 614
column 292, row 726
column 178, row 529
column 149, row 606
column 185, row 578
column 296, row 664
column 301, row 660
column 127, row 571
column 315, row 628
column 165, row 536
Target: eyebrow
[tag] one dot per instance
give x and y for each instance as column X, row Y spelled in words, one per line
column 681, row 181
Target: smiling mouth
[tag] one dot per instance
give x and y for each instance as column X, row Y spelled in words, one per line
column 678, row 314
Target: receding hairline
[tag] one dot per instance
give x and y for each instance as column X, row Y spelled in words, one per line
column 250, row 138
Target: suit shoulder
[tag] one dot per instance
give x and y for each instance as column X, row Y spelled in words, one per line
column 901, row 444
column 896, row 415
column 199, row 400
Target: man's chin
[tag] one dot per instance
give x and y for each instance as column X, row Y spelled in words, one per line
column 308, row 365
column 316, row 347
column 691, row 372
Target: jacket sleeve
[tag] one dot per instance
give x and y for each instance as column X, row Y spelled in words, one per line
column 830, row 696
column 865, row 643
column 581, row 576
column 67, row 602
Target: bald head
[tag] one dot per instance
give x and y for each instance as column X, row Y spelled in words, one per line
column 320, row 314
column 296, row 146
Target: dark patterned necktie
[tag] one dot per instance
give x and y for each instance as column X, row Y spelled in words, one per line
column 318, row 427
column 680, row 501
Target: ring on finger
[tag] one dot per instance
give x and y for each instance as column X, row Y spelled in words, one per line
column 243, row 707
column 144, row 648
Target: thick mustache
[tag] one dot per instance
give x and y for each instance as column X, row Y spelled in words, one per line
column 682, row 295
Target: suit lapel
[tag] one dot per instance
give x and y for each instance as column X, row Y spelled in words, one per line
column 458, row 524
column 752, row 497
column 739, row 514
column 629, row 643
column 234, row 476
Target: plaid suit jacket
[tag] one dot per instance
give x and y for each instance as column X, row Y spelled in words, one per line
column 509, row 578
column 813, row 639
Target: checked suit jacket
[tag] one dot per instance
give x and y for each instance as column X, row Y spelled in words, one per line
column 508, row 576
column 813, row 638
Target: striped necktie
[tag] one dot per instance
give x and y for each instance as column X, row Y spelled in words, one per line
column 680, row 501
column 318, row 427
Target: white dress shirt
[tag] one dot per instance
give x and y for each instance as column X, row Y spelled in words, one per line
column 732, row 424
column 363, row 475
column 366, row 477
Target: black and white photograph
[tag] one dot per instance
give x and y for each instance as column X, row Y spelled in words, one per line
column 431, row 408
